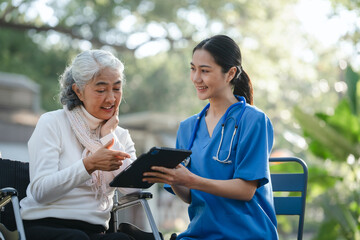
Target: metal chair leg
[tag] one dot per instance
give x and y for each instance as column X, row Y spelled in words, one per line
column 18, row 220
column 7, row 195
column 150, row 217
column 134, row 199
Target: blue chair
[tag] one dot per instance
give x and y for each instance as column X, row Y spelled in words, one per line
column 291, row 182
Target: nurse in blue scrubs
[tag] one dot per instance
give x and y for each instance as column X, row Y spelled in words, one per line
column 226, row 181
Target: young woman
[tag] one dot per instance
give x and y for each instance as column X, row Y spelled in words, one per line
column 75, row 152
column 226, row 179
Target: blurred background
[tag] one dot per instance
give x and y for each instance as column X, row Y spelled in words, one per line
column 303, row 57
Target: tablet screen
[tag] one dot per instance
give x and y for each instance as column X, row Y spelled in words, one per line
column 131, row 177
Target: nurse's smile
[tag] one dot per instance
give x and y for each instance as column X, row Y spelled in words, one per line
column 201, row 89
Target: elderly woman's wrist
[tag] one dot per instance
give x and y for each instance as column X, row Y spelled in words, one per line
column 106, row 138
column 89, row 166
column 104, row 133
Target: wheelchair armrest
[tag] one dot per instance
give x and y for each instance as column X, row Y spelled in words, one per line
column 8, row 191
column 5, row 196
column 131, row 197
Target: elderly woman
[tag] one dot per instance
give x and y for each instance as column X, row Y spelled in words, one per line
column 76, row 151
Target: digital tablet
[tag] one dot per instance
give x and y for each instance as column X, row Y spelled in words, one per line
column 131, row 177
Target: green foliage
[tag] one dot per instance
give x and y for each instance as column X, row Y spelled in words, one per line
column 331, row 136
column 21, row 55
column 342, row 212
column 161, row 82
column 329, row 230
column 159, row 86
column 336, row 138
column 352, row 79
column 320, row 181
column 353, row 6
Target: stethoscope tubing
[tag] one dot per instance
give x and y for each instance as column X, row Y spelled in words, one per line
column 242, row 102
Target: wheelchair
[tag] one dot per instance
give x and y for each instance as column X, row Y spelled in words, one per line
column 14, row 179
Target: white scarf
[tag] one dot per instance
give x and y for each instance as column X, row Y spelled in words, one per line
column 90, row 140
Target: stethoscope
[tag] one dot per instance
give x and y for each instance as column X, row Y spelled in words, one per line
column 241, row 102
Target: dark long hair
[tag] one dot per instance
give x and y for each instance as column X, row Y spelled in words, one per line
column 227, row 54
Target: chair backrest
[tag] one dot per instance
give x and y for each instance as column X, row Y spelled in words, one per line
column 291, row 182
column 13, row 174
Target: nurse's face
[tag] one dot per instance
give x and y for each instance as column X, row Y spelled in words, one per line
column 102, row 95
column 207, row 76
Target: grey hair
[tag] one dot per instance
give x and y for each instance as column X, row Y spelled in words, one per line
column 82, row 70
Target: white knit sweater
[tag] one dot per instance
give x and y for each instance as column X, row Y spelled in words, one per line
column 57, row 173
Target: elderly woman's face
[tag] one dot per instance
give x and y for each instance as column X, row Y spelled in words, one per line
column 102, row 95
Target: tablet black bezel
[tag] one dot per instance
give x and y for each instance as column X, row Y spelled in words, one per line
column 131, row 177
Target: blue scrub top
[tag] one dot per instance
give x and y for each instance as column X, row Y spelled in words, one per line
column 214, row 217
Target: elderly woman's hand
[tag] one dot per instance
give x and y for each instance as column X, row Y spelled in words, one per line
column 110, row 124
column 105, row 159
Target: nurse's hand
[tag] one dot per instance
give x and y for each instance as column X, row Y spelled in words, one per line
column 179, row 175
column 105, row 159
column 110, row 124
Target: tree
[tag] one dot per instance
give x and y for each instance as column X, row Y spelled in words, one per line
column 268, row 34
column 19, row 54
column 336, row 138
